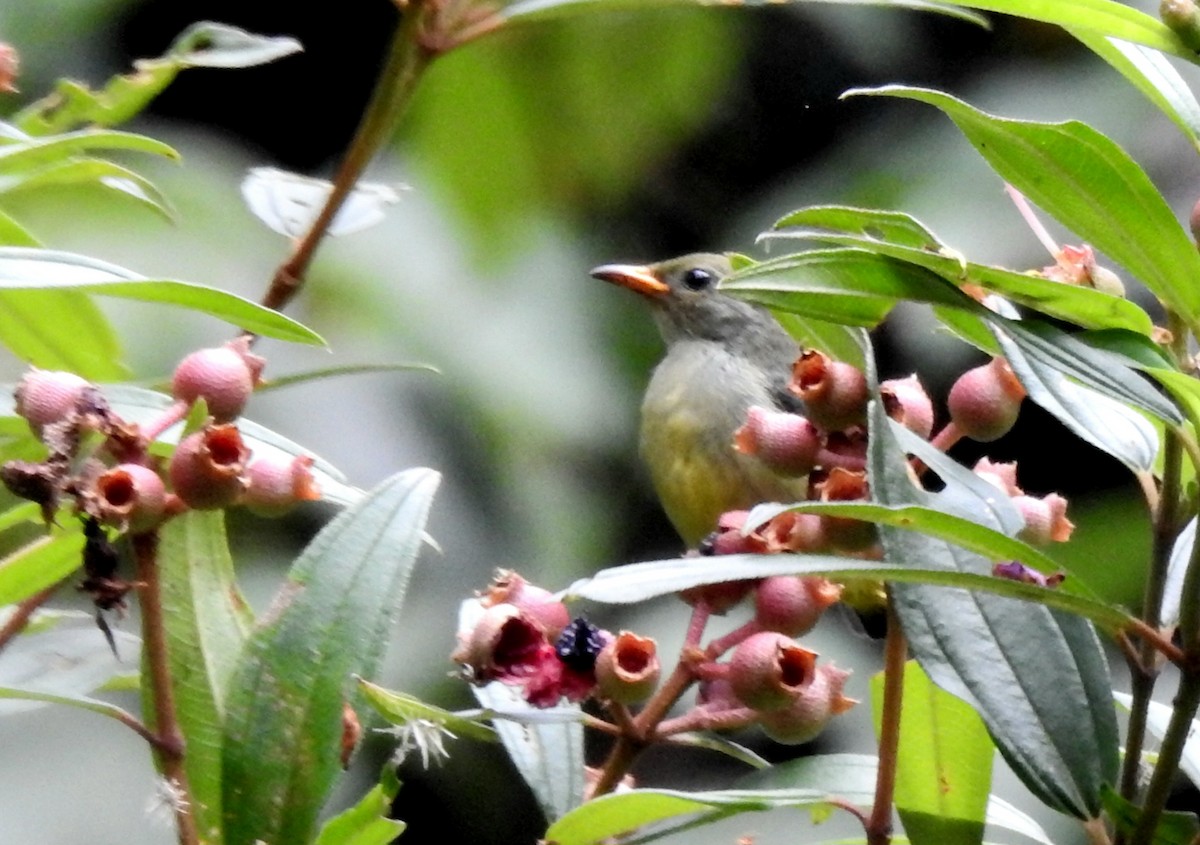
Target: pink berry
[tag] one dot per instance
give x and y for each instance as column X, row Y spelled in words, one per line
column 768, row 670
column 130, row 495
column 810, row 711
column 208, row 469
column 984, row 402
column 627, row 668
column 45, row 397
column 223, row 376
column 277, row 483
column 834, row 392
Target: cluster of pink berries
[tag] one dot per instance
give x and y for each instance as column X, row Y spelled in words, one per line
column 526, row 638
column 103, row 464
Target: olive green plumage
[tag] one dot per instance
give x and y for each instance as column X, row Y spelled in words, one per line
column 723, row 356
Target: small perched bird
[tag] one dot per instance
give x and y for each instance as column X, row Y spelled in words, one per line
column 723, row 356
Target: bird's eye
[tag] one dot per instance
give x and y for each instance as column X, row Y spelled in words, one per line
column 698, row 278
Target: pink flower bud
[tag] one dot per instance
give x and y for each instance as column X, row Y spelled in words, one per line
column 791, row 604
column 224, row 376
column 834, row 392
column 1045, row 519
column 45, row 397
column 787, row 443
column 208, row 469
column 906, row 401
column 130, row 496
column 984, row 402
column 768, row 670
column 1001, row 475
column 277, row 483
column 810, row 711
column 627, row 669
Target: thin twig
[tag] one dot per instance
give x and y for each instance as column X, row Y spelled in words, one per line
column 895, row 653
column 170, row 745
column 22, row 613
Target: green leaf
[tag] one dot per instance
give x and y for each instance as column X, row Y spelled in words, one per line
column 36, row 152
column 548, row 9
column 714, row 742
column 612, row 816
column 89, row 171
column 1173, row 828
column 904, row 238
column 207, row 621
column 367, row 822
column 1093, row 416
column 837, row 341
column 1090, row 185
column 848, row 286
column 39, row 564
column 61, row 665
column 203, row 44
column 59, row 330
column 279, row 382
column 1104, row 17
column 545, row 746
column 637, row 582
column 13, row 233
column 1037, row 676
column 1149, row 72
column 219, row 45
column 44, row 271
column 330, row 622
column 944, row 764
column 400, row 709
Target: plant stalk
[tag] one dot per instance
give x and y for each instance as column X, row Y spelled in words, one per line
column 169, row 747
column 406, row 60
column 895, row 653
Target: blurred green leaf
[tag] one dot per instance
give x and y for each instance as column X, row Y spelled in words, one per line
column 1104, row 17
column 13, row 233
column 1173, row 828
column 1149, row 72
column 835, row 340
column 619, row 815
column 43, row 271
column 552, row 9
column 93, row 171
column 367, row 822
column 944, row 764
column 38, row 152
column 203, row 44
column 61, row 665
column 59, row 330
column 506, row 147
column 40, row 564
column 207, row 621
column 1089, row 184
column 330, row 622
column 721, row 745
column 902, row 237
column 280, row 382
column 848, row 286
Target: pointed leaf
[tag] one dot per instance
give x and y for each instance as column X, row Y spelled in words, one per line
column 400, row 709
column 60, row 330
column 93, row 171
column 549, row 9
column 1090, row 185
column 330, row 622
column 547, row 753
column 1150, row 72
column 42, row 270
column 848, row 286
column 1037, row 676
column 219, row 45
column 207, row 621
column 39, row 564
column 367, row 822
column 944, row 764
column 35, row 152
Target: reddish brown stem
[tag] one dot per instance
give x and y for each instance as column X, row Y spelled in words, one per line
column 169, row 746
column 895, row 653
column 22, row 613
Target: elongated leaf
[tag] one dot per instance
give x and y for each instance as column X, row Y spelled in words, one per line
column 61, row 665
column 546, row 9
column 715, row 742
column 904, row 238
column 1149, row 72
column 400, row 709
column 1037, row 676
column 60, row 330
column 1105, row 17
column 637, row 582
column 848, row 286
column 851, row 778
column 835, row 340
column 668, row 810
column 547, row 751
column 1093, row 416
column 329, row 623
column 219, row 45
column 39, row 564
column 367, row 822
column 1173, row 828
column 1090, row 185
column 90, row 171
column 13, row 233
column 944, row 764
column 43, row 270
column 207, row 621
column 279, row 382
column 36, row 152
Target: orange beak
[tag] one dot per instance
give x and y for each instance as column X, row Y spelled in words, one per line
column 638, row 279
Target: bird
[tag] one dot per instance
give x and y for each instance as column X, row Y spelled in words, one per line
column 723, row 356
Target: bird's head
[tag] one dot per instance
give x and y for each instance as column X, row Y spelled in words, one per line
column 684, row 296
